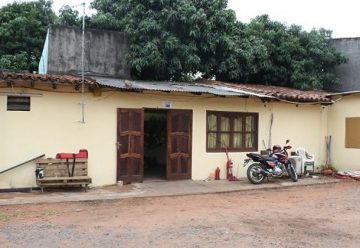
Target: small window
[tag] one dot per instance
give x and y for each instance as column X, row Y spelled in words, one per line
column 18, row 103
column 238, row 131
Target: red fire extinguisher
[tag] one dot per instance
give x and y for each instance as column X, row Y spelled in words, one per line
column 217, row 173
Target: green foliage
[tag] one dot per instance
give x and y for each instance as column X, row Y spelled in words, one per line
column 23, row 28
column 176, row 39
column 182, row 39
column 17, row 62
column 290, row 56
column 172, row 39
column 68, row 16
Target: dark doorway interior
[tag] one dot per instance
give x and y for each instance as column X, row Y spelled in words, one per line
column 155, row 144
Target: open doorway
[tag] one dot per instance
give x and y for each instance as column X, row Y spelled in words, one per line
column 153, row 144
column 155, row 130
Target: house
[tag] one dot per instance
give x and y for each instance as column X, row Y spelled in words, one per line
column 139, row 130
column 131, row 126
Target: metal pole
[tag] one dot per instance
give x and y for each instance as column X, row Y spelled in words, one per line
column 82, row 67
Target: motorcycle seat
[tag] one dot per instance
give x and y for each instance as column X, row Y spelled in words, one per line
column 258, row 157
column 268, row 158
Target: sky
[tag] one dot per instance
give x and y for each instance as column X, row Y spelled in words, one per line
column 339, row 16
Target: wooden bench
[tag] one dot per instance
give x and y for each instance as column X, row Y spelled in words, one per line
column 56, row 173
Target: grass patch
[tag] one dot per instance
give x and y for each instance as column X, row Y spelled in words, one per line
column 4, row 216
column 50, row 212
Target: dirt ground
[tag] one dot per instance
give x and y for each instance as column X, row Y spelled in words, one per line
column 312, row 216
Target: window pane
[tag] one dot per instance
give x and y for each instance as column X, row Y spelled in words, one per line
column 250, row 124
column 234, row 129
column 249, row 140
column 212, row 124
column 237, row 123
column 212, row 140
column 225, row 139
column 225, row 123
column 237, row 140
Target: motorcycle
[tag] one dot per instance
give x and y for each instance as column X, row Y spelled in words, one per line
column 274, row 165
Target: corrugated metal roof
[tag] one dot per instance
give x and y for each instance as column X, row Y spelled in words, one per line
column 220, row 89
column 344, row 93
column 205, row 86
column 167, row 86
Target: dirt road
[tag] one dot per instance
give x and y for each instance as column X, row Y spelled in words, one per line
column 316, row 216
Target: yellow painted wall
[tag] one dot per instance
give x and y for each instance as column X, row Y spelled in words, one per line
column 53, row 126
column 304, row 125
column 343, row 158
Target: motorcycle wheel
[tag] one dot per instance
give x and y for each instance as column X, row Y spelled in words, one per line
column 291, row 172
column 254, row 174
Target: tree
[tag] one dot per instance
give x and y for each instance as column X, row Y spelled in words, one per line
column 68, row 16
column 23, row 28
column 173, row 39
column 177, row 39
column 290, row 56
column 16, row 62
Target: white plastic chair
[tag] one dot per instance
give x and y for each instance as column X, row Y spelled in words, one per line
column 307, row 160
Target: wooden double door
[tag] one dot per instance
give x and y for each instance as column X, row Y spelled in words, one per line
column 130, row 145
